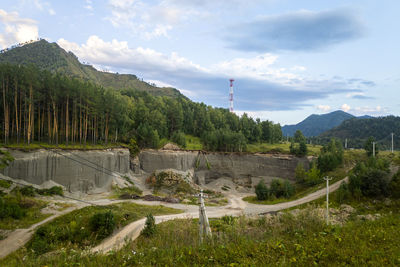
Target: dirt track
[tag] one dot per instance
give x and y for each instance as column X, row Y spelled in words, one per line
column 236, row 206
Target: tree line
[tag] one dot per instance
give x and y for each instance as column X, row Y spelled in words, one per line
column 41, row 106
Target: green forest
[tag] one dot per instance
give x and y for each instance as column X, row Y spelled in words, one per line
column 357, row 131
column 40, row 106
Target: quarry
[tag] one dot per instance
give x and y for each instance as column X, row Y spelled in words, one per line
column 93, row 171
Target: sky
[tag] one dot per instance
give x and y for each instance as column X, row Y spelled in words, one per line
column 289, row 58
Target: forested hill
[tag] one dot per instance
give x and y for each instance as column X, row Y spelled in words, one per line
column 314, row 124
column 51, row 57
column 40, row 106
column 358, row 130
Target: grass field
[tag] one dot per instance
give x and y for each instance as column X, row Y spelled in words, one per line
column 284, row 240
column 73, row 230
column 32, row 214
column 71, row 146
column 284, row 148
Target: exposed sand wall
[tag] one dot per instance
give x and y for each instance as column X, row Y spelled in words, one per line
column 74, row 169
column 42, row 166
column 234, row 165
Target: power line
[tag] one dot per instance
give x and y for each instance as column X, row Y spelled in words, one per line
column 80, row 200
column 110, row 172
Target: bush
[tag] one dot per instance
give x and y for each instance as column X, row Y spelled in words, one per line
column 9, row 208
column 300, row 150
column 150, row 226
column 179, row 138
column 103, row 224
column 331, row 156
column 40, row 245
column 370, row 178
column 368, row 146
column 5, row 183
column 27, row 191
column 288, row 189
column 55, row 190
column 394, row 186
column 374, row 183
column 343, row 193
column 313, row 176
column 300, row 173
column 133, row 147
column 281, row 188
column 262, row 191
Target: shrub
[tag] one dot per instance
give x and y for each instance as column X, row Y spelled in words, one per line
column 179, row 138
column 374, row 183
column 228, row 219
column 262, row 191
column 300, row 173
column 300, row 150
column 343, row 193
column 150, row 226
column 288, row 189
column 9, row 208
column 281, row 188
column 28, row 191
column 313, row 176
column 394, row 186
column 5, row 183
column 55, row 190
column 40, row 245
column 103, row 224
column 368, row 146
column 133, row 147
column 370, row 178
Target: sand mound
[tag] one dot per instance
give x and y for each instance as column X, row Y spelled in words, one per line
column 170, row 146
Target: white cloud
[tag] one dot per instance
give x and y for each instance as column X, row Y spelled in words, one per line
column 345, row 107
column 370, row 110
column 324, row 108
column 16, row 29
column 150, row 20
column 259, row 85
column 42, row 5
column 89, row 5
column 118, row 54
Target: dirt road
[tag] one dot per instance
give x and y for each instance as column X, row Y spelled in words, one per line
column 20, row 237
column 236, row 206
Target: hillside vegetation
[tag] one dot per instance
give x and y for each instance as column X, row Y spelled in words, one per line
column 357, row 131
column 51, row 57
column 39, row 106
column 314, row 124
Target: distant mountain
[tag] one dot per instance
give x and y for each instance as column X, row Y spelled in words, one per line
column 314, row 124
column 52, row 57
column 358, row 130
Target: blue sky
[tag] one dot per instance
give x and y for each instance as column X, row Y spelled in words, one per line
column 289, row 58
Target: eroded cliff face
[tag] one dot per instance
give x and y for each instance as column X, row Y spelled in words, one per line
column 84, row 171
column 88, row 171
column 210, row 166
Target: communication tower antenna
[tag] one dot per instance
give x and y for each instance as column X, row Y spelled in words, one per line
column 231, row 95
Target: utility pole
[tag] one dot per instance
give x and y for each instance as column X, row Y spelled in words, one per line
column 327, row 179
column 345, row 144
column 373, row 149
column 204, row 225
column 287, row 137
column 392, row 144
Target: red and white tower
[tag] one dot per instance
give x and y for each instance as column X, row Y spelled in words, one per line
column 231, row 96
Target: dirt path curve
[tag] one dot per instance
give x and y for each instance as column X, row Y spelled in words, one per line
column 20, row 237
column 236, row 206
